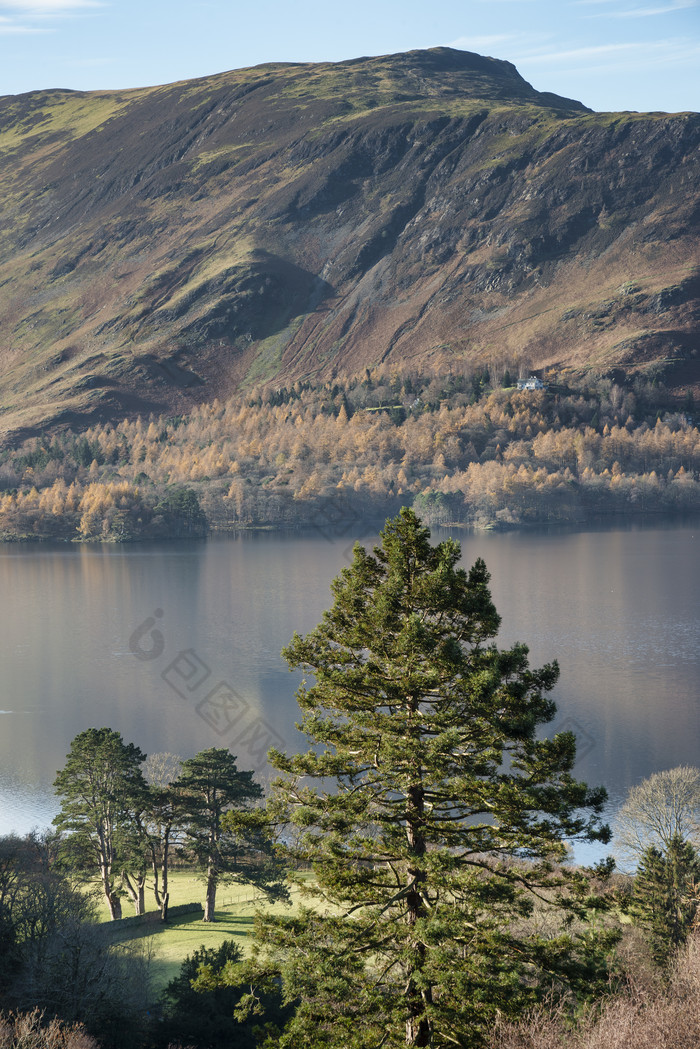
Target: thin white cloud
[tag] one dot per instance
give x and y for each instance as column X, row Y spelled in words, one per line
column 476, row 43
column 658, row 54
column 47, row 7
column 636, row 12
column 672, row 5
column 32, row 17
column 506, row 44
column 644, row 12
column 17, row 30
column 38, row 13
column 606, row 50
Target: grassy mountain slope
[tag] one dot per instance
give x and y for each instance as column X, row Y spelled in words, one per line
column 159, row 247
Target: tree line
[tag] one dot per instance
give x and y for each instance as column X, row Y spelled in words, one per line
column 122, row 817
column 122, row 824
column 458, row 447
column 426, row 828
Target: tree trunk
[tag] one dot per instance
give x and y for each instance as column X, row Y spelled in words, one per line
column 210, row 901
column 115, row 904
column 163, row 897
column 136, row 890
column 156, row 887
column 113, row 901
column 417, row 1024
column 164, row 872
column 417, row 1027
column 160, row 874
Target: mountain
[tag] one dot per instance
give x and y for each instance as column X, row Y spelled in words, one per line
column 162, row 246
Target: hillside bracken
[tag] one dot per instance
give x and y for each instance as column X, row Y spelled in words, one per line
column 460, row 448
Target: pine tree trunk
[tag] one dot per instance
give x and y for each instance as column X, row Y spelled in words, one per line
column 417, row 1024
column 161, row 898
column 115, row 905
column 160, row 878
column 417, row 1030
column 113, row 901
column 210, row 901
column 136, row 891
column 156, row 885
column 164, row 873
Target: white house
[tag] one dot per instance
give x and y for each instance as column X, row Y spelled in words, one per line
column 533, row 383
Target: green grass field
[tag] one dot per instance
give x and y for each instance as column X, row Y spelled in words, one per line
column 170, row 944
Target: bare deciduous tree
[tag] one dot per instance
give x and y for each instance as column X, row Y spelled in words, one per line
column 31, row 1031
column 657, row 809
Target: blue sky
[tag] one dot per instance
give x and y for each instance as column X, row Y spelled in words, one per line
column 610, row 54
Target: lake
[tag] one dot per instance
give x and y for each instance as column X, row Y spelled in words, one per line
column 177, row 645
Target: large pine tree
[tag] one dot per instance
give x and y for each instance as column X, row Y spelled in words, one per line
column 432, row 816
column 223, row 831
column 101, row 787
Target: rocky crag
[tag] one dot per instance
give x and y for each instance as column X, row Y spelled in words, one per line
column 160, row 247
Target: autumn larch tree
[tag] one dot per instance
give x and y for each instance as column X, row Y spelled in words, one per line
column 432, row 816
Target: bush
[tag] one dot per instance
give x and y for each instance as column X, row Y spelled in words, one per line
column 28, row 1031
column 660, row 1017
column 202, row 1016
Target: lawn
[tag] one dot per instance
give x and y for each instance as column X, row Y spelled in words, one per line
column 169, row 944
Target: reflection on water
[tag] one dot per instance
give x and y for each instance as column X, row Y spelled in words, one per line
column 619, row 609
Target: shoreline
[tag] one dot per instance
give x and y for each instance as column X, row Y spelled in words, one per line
column 371, row 525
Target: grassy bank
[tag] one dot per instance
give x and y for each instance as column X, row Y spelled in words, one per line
column 170, row 943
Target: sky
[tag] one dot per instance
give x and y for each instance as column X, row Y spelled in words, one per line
column 610, row 54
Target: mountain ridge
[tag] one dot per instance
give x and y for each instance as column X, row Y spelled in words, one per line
column 161, row 246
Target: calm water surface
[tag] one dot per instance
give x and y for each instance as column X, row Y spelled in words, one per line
column 177, row 646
